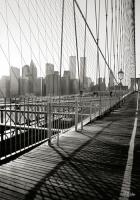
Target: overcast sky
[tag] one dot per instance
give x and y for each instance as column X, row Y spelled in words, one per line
column 53, row 44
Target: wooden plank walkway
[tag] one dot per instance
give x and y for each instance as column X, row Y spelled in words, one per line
column 88, row 165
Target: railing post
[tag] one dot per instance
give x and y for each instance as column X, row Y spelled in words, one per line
column 76, row 114
column 16, row 115
column 37, row 116
column 1, row 133
column 16, row 122
column 110, row 103
column 81, row 102
column 100, row 106
column 1, row 115
column 46, row 114
column 90, row 111
column 49, row 123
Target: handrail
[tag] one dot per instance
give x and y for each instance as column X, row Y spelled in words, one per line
column 31, row 123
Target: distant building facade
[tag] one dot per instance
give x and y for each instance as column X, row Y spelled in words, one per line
column 56, row 83
column 39, row 86
column 14, row 81
column 5, row 86
column 72, row 67
column 26, row 71
column 49, row 69
column 82, row 71
column 32, row 77
column 49, row 79
column 74, row 86
column 65, row 83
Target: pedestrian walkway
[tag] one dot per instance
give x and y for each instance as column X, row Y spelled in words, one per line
column 88, row 165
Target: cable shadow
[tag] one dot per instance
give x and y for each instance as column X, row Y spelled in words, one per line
column 79, row 175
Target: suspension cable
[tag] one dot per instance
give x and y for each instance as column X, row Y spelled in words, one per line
column 97, row 21
column 75, row 1
column 76, row 40
column 61, row 49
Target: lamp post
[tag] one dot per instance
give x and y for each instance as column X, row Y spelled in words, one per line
column 120, row 76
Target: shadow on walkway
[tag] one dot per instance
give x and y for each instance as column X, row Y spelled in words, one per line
column 93, row 171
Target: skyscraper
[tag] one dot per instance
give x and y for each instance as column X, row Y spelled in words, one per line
column 32, row 77
column 72, row 66
column 25, row 80
column 4, row 86
column 25, row 71
column 82, row 70
column 65, row 83
column 14, row 81
column 56, row 83
column 66, row 74
column 33, row 69
column 49, row 79
column 49, row 69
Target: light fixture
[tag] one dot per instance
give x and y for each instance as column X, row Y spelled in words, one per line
column 120, row 75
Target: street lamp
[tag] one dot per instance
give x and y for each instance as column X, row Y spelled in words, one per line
column 120, row 75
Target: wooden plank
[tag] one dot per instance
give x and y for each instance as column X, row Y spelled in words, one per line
column 8, row 195
column 15, row 178
column 20, row 175
column 13, row 188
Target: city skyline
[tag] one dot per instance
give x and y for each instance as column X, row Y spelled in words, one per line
column 27, row 80
column 34, row 42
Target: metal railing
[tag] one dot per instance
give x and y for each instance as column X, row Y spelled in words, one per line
column 26, row 122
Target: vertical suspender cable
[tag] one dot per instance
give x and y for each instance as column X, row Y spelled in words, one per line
column 38, row 38
column 97, row 21
column 29, row 25
column 76, row 40
column 20, row 39
column 134, row 41
column 116, row 35
column 111, row 44
column 85, row 37
column 61, row 48
column 113, row 38
column 106, row 40
column 91, row 33
column 8, row 40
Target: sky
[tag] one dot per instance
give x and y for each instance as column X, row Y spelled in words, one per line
column 52, row 54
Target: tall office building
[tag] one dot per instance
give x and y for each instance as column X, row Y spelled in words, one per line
column 72, row 66
column 32, row 77
column 33, row 70
column 67, row 74
column 56, row 83
column 38, row 89
column 4, row 86
column 24, row 86
column 25, row 82
column 14, row 81
column 74, row 86
column 82, row 70
column 65, row 83
column 49, row 79
column 101, row 86
column 25, row 71
column 49, row 69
